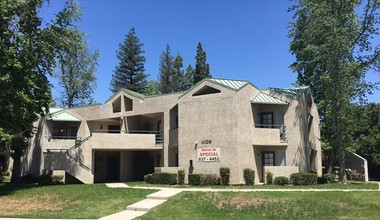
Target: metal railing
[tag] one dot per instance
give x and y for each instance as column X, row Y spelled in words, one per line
column 281, row 127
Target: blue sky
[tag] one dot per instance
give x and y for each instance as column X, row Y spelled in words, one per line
column 243, row 39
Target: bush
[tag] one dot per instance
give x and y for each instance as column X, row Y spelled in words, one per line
column 29, row 178
column 269, row 178
column 303, row 178
column 329, row 177
column 352, row 174
column 209, row 179
column 148, row 178
column 57, row 179
column 1, row 177
column 164, row 178
column 181, row 177
column 281, row 180
column 195, row 179
column 249, row 176
column 322, row 180
column 224, row 175
column 44, row 179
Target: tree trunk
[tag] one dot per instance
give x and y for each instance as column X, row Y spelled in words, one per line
column 342, row 164
column 16, row 172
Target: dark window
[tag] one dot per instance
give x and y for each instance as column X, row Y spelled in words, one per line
column 267, row 119
column 268, row 159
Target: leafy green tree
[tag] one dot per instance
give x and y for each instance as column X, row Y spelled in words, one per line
column 28, row 49
column 166, row 71
column 333, row 48
column 367, row 132
column 130, row 73
column 77, row 64
column 202, row 69
column 152, row 88
column 178, row 76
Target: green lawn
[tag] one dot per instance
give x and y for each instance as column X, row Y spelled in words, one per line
column 65, row 201
column 351, row 185
column 270, row 205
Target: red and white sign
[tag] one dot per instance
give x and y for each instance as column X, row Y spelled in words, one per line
column 209, row 154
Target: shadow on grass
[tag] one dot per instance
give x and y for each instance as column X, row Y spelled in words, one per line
column 9, row 188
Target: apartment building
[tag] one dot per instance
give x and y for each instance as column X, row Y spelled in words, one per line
column 216, row 123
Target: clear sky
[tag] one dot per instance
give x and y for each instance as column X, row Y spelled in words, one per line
column 243, row 39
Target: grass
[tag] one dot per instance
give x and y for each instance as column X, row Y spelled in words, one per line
column 270, row 205
column 351, row 185
column 65, row 201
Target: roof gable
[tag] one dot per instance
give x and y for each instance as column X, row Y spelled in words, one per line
column 262, row 98
column 62, row 115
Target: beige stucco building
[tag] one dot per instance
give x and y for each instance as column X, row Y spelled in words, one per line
column 217, row 123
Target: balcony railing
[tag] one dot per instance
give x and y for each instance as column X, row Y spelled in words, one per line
column 158, row 135
column 282, row 129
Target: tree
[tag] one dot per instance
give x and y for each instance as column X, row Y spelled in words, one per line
column 28, row 49
column 202, row 69
column 166, row 71
column 333, row 51
column 76, row 76
column 129, row 74
column 178, row 76
column 188, row 79
column 152, row 88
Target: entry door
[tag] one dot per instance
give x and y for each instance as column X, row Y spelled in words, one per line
column 113, row 168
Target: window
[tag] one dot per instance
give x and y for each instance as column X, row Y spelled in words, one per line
column 268, row 159
column 281, row 158
column 128, row 104
column 267, row 119
column 116, row 105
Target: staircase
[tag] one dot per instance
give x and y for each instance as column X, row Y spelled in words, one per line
column 63, row 159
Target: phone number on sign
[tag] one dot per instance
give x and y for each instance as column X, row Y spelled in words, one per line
column 206, row 159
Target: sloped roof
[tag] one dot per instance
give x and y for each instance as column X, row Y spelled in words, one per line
column 61, row 115
column 262, row 98
column 294, row 93
column 233, row 84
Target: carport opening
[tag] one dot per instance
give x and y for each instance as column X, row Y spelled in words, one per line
column 123, row 166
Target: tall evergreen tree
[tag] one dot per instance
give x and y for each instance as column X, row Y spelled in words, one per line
column 166, row 71
column 28, row 48
column 202, row 69
column 77, row 64
column 130, row 73
column 178, row 75
column 333, row 47
column 188, row 79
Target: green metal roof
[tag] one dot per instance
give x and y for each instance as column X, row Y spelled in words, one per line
column 61, row 115
column 233, row 84
column 262, row 98
column 294, row 93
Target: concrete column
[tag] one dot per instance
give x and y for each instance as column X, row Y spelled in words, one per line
column 165, row 134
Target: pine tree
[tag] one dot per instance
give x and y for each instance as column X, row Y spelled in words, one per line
column 178, row 75
column 130, row 73
column 188, row 79
column 202, row 69
column 166, row 71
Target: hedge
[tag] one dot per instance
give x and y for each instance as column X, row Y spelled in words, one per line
column 281, row 180
column 209, row 179
column 181, row 177
column 303, row 178
column 195, row 179
column 224, row 175
column 249, row 176
column 269, row 178
column 164, row 178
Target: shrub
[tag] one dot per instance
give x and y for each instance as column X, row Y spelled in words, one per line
column 148, row 178
column 269, row 178
column 181, row 177
column 209, row 179
column 164, row 178
column 44, row 179
column 224, row 175
column 303, row 178
column 1, row 177
column 352, row 174
column 29, row 178
column 322, row 180
column 195, row 179
column 249, row 176
column 57, row 179
column 281, row 180
column 329, row 177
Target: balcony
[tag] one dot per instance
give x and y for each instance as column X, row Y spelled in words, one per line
column 132, row 139
column 269, row 135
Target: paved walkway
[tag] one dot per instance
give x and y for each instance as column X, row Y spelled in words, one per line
column 155, row 199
